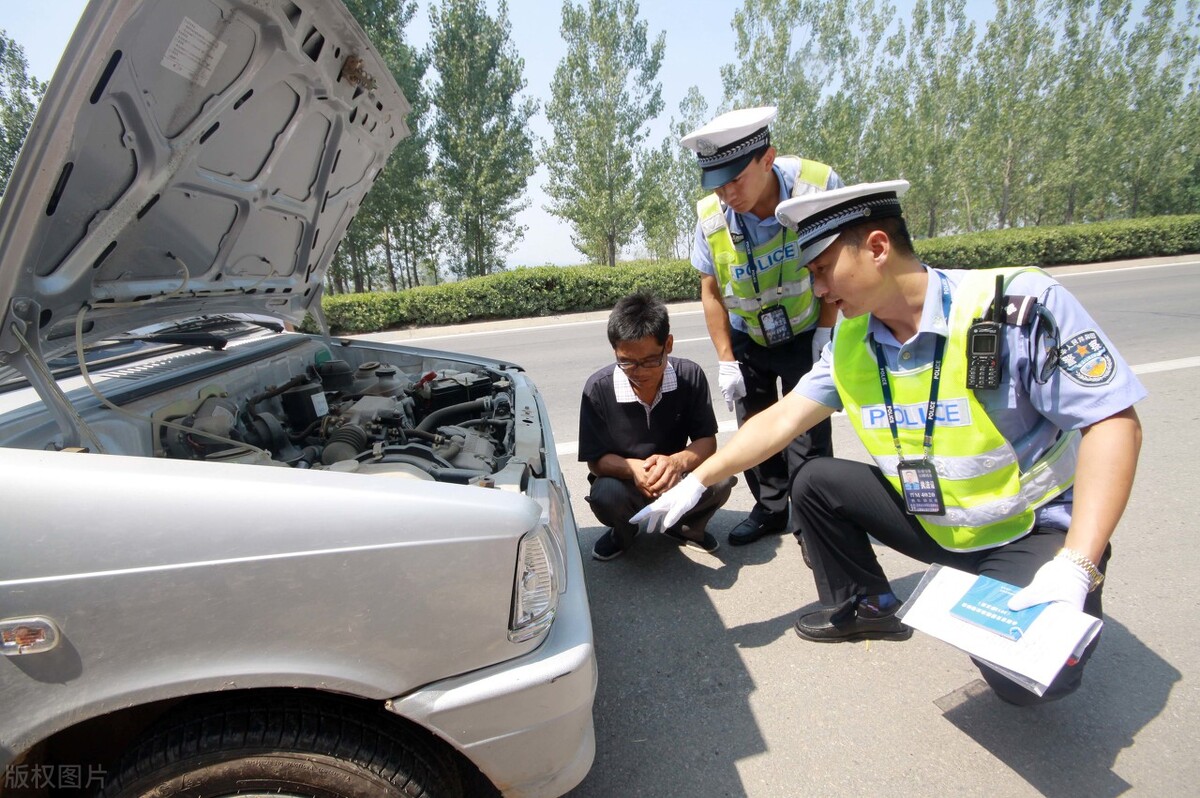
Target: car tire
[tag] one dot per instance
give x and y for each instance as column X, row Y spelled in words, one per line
column 295, row 746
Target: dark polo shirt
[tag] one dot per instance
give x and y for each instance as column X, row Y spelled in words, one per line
column 682, row 415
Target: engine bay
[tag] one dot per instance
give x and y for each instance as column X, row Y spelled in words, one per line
column 293, row 401
column 441, row 424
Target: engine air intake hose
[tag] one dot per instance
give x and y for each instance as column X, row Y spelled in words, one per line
column 344, row 444
column 441, row 417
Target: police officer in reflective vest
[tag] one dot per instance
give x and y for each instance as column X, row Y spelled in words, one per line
column 764, row 321
column 1022, row 470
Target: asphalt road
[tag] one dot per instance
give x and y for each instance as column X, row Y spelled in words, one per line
column 706, row 691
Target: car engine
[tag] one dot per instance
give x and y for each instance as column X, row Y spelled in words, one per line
column 445, row 425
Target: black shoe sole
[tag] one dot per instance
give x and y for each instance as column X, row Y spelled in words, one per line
column 695, row 545
column 602, row 558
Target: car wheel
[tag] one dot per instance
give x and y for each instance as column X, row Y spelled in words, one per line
column 296, row 746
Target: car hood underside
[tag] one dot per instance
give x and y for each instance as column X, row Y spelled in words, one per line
column 191, row 158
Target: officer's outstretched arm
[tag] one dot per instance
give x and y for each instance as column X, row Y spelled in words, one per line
column 762, row 436
column 1108, row 457
column 759, row 437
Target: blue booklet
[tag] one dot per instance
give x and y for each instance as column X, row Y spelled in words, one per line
column 985, row 604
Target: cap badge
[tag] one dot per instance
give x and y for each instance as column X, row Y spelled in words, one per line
column 706, row 147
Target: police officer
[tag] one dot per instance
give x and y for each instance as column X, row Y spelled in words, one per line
column 764, row 321
column 1022, row 473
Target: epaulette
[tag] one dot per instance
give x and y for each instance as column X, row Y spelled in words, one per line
column 1018, row 310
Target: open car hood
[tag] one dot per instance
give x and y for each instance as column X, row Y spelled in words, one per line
column 191, row 157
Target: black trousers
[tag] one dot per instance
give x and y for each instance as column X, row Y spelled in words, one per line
column 766, row 370
column 841, row 502
column 614, row 501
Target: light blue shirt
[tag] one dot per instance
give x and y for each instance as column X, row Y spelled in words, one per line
column 1029, row 416
column 759, row 231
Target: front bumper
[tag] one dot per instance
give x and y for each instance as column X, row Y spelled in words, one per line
column 525, row 723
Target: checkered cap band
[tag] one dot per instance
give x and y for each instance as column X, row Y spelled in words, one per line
column 837, row 218
column 735, row 150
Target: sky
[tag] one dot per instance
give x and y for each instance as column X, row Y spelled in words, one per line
column 698, row 42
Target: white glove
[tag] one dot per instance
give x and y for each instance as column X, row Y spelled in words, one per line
column 667, row 509
column 729, row 377
column 821, row 336
column 1058, row 580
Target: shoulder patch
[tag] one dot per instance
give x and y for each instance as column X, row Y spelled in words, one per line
column 1086, row 359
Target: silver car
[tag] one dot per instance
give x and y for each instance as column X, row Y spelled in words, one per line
column 236, row 559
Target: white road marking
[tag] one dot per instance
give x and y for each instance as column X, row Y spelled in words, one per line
column 1061, row 275
column 1167, row 365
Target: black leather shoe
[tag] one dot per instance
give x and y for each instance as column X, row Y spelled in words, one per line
column 839, row 624
column 607, row 547
column 750, row 530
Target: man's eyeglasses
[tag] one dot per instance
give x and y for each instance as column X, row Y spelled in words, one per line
column 652, row 362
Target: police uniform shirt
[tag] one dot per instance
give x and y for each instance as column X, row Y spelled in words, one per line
column 1091, row 382
column 760, row 231
column 612, row 423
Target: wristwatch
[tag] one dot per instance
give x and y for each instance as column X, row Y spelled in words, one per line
column 1089, row 567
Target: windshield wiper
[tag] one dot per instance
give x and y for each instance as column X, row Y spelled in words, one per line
column 182, row 338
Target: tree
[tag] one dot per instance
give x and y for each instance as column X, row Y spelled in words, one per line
column 656, row 210
column 771, row 72
column 939, row 44
column 671, row 185
column 481, row 130
column 1064, row 110
column 20, row 94
column 1012, row 70
column 847, row 47
column 1082, row 106
column 1161, row 58
column 819, row 62
column 604, row 93
column 394, row 218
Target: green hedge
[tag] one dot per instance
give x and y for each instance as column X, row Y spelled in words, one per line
column 547, row 290
column 1080, row 243
column 521, row 293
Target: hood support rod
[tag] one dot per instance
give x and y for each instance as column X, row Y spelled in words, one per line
column 30, row 363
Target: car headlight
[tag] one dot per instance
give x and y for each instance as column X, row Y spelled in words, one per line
column 555, row 506
column 535, row 590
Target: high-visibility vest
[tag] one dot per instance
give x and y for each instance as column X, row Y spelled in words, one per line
column 781, row 279
column 989, row 499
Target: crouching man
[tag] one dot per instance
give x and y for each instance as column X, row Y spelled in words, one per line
column 644, row 424
column 1005, row 448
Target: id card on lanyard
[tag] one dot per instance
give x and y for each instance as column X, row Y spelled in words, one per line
column 773, row 321
column 919, row 483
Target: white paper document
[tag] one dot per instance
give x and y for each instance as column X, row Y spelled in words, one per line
column 1032, row 660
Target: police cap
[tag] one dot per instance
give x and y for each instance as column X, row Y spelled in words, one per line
column 725, row 145
column 818, row 218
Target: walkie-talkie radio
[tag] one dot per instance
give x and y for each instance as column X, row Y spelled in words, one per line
column 983, row 345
